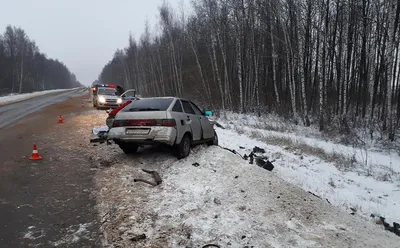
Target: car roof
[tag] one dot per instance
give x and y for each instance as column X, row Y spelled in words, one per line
column 165, row 97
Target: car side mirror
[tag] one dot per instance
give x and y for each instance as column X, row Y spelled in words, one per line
column 208, row 113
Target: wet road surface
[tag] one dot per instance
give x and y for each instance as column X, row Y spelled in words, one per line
column 47, row 203
column 15, row 111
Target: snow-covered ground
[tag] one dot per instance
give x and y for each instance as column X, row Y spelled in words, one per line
column 223, row 201
column 351, row 177
column 21, row 97
column 227, row 201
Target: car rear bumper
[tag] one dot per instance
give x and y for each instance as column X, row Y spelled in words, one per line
column 108, row 105
column 157, row 135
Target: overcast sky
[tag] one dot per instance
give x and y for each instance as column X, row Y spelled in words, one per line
column 83, row 34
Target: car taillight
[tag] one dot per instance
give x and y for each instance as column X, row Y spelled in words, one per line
column 144, row 123
column 118, row 123
column 141, row 123
column 169, row 123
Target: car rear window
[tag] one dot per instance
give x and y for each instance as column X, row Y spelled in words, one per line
column 149, row 105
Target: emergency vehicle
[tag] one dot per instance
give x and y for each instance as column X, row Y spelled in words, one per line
column 105, row 96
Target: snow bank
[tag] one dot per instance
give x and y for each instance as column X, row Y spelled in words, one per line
column 371, row 156
column 21, row 97
column 228, row 202
column 370, row 182
column 343, row 189
column 223, row 201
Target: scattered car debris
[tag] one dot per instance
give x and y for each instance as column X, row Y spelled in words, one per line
column 320, row 198
column 396, row 228
column 314, row 195
column 97, row 140
column 217, row 124
column 382, row 221
column 257, row 149
column 260, row 161
column 99, row 130
column 211, row 245
column 108, row 215
column 264, row 163
column 139, row 237
column 144, row 181
column 217, row 201
column 100, row 135
column 232, row 151
column 196, row 164
column 156, row 176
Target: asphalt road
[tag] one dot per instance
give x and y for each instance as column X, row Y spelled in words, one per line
column 15, row 111
column 47, row 203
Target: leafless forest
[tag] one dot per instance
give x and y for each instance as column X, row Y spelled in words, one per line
column 24, row 69
column 328, row 62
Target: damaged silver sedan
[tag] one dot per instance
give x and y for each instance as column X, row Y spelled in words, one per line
column 162, row 120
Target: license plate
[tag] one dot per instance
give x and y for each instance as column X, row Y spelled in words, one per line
column 137, row 131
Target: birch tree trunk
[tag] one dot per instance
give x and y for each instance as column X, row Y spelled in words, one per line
column 274, row 56
column 21, row 75
column 391, row 74
column 239, row 65
column 289, row 57
column 226, row 75
column 200, row 70
column 214, row 60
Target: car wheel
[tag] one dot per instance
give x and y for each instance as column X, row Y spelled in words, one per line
column 128, row 148
column 214, row 141
column 183, row 149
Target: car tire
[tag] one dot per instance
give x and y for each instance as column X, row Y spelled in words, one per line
column 183, row 148
column 128, row 148
column 214, row 141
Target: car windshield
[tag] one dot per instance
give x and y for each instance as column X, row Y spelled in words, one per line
column 107, row 91
column 157, row 104
column 129, row 94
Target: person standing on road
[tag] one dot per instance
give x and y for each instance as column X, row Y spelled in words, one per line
column 120, row 90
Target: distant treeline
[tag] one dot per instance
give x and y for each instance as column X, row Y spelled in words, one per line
column 322, row 61
column 23, row 68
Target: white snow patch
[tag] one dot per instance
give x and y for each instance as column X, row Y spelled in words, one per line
column 21, row 97
column 33, row 234
column 74, row 236
column 29, row 235
column 346, row 189
column 223, row 201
